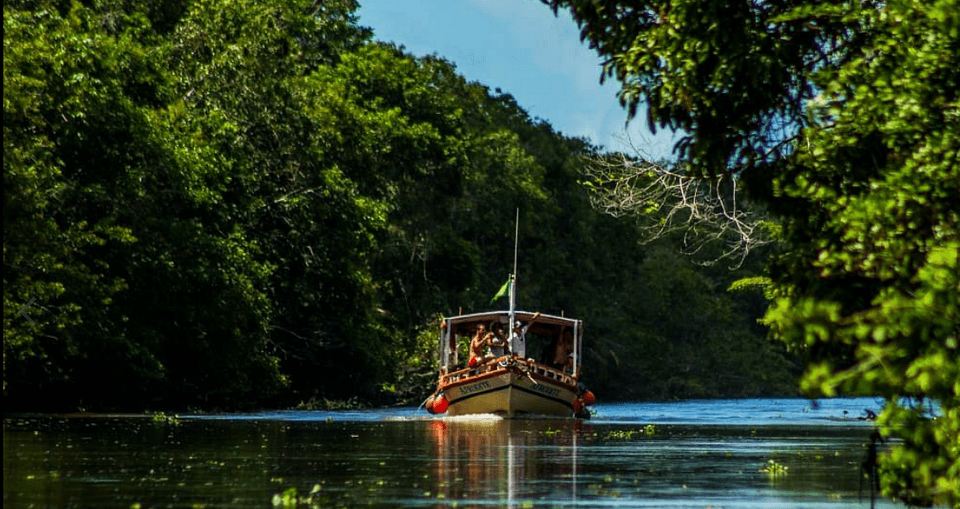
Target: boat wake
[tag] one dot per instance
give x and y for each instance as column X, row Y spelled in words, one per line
column 480, row 418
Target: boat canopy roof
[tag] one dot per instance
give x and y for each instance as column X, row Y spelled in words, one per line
column 545, row 324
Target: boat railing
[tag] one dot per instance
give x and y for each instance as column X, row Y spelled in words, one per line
column 488, row 366
column 552, row 373
column 501, row 364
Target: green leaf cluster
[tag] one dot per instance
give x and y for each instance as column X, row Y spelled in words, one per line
column 841, row 118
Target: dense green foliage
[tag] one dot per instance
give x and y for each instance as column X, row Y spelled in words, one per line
column 231, row 204
column 843, row 119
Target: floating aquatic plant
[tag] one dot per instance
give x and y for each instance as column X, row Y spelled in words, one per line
column 774, row 469
column 623, row 434
column 620, row 434
column 162, row 418
column 289, row 499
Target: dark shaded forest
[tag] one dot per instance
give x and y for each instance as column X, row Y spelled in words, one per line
column 232, row 205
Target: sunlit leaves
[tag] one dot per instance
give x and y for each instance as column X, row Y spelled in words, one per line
column 843, row 119
column 883, row 173
column 61, row 82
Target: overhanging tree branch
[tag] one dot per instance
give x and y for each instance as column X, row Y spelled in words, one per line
column 709, row 215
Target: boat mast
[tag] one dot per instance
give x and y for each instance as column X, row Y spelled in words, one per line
column 513, row 280
column 516, row 237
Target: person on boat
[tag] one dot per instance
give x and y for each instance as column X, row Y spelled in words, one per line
column 562, row 352
column 480, row 340
column 498, row 340
column 518, row 340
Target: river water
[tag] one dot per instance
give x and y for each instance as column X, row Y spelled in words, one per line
column 765, row 453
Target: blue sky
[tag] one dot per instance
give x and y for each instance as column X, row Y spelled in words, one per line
column 526, row 51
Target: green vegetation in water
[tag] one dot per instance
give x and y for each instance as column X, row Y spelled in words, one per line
column 774, row 469
column 620, row 434
column 623, row 434
column 162, row 418
column 290, row 499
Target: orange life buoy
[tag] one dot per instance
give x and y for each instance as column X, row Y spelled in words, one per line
column 589, row 398
column 440, row 404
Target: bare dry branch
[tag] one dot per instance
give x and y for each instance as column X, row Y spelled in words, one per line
column 705, row 212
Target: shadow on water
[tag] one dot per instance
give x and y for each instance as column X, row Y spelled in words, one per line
column 640, row 455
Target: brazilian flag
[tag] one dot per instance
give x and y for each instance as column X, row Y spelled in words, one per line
column 504, row 290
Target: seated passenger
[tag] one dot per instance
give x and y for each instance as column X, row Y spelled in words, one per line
column 477, row 344
column 498, row 341
column 561, row 353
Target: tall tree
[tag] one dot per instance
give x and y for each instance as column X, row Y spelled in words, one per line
column 109, row 207
column 842, row 118
column 245, row 71
column 164, row 201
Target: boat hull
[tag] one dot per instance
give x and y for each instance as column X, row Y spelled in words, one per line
column 510, row 388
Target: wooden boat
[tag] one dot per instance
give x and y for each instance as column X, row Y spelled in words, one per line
column 523, row 380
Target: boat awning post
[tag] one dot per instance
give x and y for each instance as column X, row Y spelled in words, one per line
column 445, row 350
column 513, row 308
column 577, row 345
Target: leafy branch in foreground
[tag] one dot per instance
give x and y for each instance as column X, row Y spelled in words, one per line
column 840, row 118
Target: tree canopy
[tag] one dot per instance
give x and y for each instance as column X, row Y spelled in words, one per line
column 227, row 205
column 842, row 119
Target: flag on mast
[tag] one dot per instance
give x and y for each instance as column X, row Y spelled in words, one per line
column 504, row 290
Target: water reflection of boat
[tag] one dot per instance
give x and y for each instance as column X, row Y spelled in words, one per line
column 477, row 457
